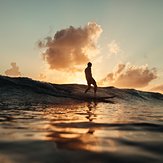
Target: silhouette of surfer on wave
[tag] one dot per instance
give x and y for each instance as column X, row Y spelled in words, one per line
column 89, row 78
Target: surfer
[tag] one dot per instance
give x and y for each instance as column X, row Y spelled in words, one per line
column 89, row 78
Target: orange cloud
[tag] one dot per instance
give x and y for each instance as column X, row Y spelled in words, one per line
column 158, row 88
column 127, row 75
column 13, row 71
column 42, row 76
column 69, row 48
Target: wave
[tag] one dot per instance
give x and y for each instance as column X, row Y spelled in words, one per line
column 42, row 92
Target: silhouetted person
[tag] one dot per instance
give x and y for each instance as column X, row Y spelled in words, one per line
column 89, row 78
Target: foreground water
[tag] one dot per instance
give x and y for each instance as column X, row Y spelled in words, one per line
column 87, row 132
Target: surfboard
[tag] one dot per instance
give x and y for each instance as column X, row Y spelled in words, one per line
column 88, row 98
column 100, row 99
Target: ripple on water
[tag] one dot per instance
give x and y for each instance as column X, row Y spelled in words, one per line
column 89, row 132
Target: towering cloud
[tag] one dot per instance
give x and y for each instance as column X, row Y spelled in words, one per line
column 13, row 71
column 127, row 75
column 68, row 49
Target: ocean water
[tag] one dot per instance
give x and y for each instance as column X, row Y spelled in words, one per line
column 82, row 133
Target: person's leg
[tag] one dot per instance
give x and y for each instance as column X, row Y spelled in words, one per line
column 88, row 88
column 95, row 88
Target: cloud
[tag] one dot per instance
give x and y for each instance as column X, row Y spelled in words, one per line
column 158, row 88
column 70, row 47
column 113, row 47
column 127, row 75
column 13, row 71
column 42, row 76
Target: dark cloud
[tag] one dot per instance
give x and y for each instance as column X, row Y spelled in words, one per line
column 127, row 75
column 68, row 49
column 13, row 71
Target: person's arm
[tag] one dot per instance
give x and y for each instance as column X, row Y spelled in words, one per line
column 90, row 73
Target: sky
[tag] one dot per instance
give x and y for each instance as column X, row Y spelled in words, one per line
column 53, row 41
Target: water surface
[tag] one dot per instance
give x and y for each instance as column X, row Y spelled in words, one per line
column 87, row 132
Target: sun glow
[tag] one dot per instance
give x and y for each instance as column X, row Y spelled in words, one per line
column 79, row 78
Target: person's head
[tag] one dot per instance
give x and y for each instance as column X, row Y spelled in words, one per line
column 89, row 64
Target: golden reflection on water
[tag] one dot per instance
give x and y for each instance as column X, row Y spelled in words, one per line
column 94, row 127
column 71, row 126
column 106, row 130
column 84, row 135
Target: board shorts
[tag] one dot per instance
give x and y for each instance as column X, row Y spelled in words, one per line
column 91, row 81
